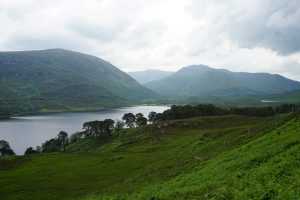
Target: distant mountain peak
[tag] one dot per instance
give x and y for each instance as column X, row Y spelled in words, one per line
column 60, row 50
column 196, row 67
column 56, row 49
column 198, row 80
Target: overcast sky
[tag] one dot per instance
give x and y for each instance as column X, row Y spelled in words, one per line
column 253, row 36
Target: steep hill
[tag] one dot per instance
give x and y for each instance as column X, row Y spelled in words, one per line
column 198, row 80
column 223, row 157
column 149, row 75
column 58, row 79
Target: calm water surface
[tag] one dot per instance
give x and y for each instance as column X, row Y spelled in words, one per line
column 23, row 132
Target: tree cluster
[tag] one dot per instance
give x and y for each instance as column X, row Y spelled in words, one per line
column 187, row 111
column 30, row 151
column 56, row 144
column 132, row 120
column 5, row 149
column 98, row 128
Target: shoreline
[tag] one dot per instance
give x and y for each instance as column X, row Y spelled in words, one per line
column 75, row 110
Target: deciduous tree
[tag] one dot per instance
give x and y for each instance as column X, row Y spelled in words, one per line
column 129, row 119
column 62, row 137
column 140, row 120
column 152, row 117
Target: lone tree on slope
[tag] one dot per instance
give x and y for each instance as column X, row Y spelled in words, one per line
column 62, row 137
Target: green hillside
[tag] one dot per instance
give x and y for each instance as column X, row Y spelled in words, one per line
column 58, row 79
column 201, row 80
column 224, row 157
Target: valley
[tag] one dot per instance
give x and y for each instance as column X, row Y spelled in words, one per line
column 149, row 100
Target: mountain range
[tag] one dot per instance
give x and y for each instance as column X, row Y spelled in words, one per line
column 63, row 80
column 201, row 80
column 58, row 79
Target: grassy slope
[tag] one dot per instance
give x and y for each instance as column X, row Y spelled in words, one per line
column 229, row 157
column 266, row 167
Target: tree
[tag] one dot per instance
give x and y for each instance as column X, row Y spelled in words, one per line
column 52, row 145
column 30, row 150
column 119, row 125
column 62, row 137
column 89, row 128
column 75, row 136
column 5, row 149
column 159, row 117
column 93, row 128
column 140, row 120
column 98, row 128
column 129, row 119
column 107, row 126
column 152, row 117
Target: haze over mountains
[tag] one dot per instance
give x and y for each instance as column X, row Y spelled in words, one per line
column 149, row 75
column 200, row 80
column 61, row 80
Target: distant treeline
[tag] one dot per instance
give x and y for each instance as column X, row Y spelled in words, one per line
column 188, row 111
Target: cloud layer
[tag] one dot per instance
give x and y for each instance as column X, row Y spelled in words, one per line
column 257, row 35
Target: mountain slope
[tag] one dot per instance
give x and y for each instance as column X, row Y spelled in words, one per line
column 292, row 96
column 61, row 79
column 146, row 76
column 197, row 80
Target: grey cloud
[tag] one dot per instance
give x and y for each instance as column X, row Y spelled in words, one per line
column 96, row 31
column 137, row 34
column 31, row 42
column 290, row 69
column 257, row 23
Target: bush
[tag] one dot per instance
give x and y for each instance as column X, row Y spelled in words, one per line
column 30, row 151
